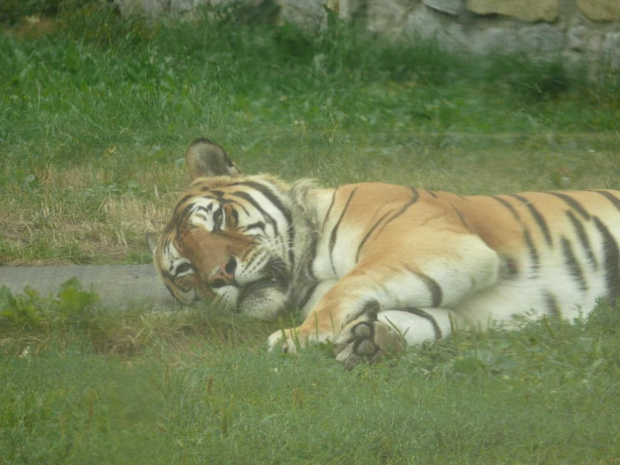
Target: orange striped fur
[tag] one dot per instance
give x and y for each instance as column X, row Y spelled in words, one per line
column 371, row 264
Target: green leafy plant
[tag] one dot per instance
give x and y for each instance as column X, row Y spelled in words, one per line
column 31, row 311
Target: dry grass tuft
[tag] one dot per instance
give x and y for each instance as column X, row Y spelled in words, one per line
column 79, row 215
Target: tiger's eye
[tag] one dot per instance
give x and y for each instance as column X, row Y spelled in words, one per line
column 218, row 218
column 183, row 267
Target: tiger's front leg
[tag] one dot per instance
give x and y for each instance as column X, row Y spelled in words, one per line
column 374, row 334
column 391, row 283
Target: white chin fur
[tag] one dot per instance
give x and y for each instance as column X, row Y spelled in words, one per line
column 264, row 304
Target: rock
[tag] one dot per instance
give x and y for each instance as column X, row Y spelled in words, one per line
column 495, row 40
column 577, row 37
column 150, row 8
column 388, row 16
column 305, row 13
column 542, row 42
column 584, row 48
column 425, row 25
column 347, row 9
column 611, row 50
column 456, row 38
column 600, row 10
column 451, row 7
column 183, row 6
column 527, row 10
column 563, row 28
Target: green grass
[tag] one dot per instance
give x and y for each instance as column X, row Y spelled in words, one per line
column 95, row 115
column 195, row 388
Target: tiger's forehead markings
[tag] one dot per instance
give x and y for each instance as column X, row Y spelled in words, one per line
column 268, row 193
column 248, row 198
column 208, row 209
column 197, row 203
column 275, row 200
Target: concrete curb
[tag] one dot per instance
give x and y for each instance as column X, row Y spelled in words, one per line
column 118, row 286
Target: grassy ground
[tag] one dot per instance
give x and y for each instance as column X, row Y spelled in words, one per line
column 93, row 386
column 95, row 114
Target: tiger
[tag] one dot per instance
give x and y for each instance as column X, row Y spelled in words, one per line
column 377, row 267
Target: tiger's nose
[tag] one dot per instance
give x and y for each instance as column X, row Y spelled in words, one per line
column 225, row 274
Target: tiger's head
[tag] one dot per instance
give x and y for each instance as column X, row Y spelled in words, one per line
column 229, row 237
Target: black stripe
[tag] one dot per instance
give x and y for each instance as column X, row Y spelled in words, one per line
column 542, row 224
column 512, row 209
column 613, row 199
column 404, row 208
column 612, row 260
column 552, row 305
column 433, row 287
column 258, row 224
column 329, row 210
column 248, row 198
column 583, row 238
column 267, row 192
column 276, row 202
column 572, row 203
column 427, row 316
column 334, row 233
column 208, row 209
column 370, row 310
column 285, row 242
column 170, row 290
column 309, row 259
column 291, row 252
column 431, row 193
column 532, row 249
column 573, row 265
column 172, row 278
column 461, row 217
column 208, row 197
column 370, row 231
column 183, row 199
column 180, row 217
column 304, row 300
column 234, row 202
column 527, row 237
column 167, row 274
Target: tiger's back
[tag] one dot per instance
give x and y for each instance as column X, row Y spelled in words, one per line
column 557, row 251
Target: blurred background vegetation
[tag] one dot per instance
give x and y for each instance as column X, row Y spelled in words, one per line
column 96, row 111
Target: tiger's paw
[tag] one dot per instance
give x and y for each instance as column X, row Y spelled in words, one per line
column 290, row 340
column 286, row 339
column 368, row 341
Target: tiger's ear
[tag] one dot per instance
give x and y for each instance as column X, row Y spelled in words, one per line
column 151, row 241
column 204, row 159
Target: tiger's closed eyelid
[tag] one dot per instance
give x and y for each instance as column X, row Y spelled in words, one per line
column 183, row 268
column 218, row 219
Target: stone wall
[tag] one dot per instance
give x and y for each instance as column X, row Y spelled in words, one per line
column 574, row 30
